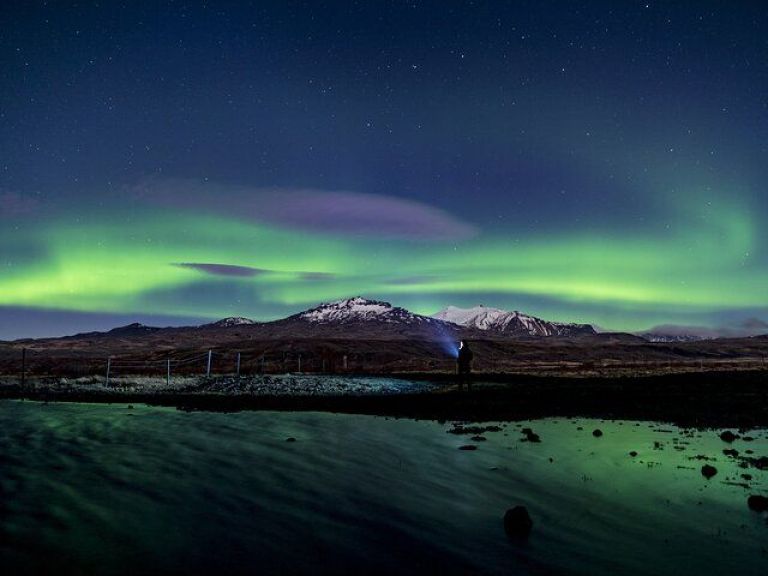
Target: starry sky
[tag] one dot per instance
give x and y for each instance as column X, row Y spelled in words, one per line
column 178, row 162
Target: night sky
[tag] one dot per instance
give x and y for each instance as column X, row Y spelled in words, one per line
column 176, row 162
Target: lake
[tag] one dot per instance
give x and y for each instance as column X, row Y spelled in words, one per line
column 104, row 489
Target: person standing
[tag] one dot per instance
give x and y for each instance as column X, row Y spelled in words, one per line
column 464, row 365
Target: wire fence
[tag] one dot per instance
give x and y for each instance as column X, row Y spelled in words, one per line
column 31, row 363
column 26, row 363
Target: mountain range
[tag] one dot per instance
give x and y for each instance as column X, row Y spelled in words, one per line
column 363, row 318
column 362, row 314
column 369, row 336
column 360, row 317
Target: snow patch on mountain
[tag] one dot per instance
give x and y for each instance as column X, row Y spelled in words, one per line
column 232, row 321
column 502, row 321
column 360, row 309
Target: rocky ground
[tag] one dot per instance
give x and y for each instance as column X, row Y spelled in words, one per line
column 710, row 399
column 266, row 385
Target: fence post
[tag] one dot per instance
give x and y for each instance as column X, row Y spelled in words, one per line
column 23, row 368
column 109, row 365
column 299, row 363
column 208, row 370
column 345, row 362
column 238, row 364
column 168, row 374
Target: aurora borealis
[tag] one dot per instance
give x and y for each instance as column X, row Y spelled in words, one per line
column 173, row 163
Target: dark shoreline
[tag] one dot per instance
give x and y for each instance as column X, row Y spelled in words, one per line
column 707, row 400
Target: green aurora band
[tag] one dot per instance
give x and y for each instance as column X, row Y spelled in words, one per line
column 101, row 263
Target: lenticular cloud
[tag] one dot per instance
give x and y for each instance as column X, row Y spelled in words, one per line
column 318, row 211
column 352, row 213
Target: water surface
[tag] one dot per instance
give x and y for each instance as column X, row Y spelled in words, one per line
column 101, row 489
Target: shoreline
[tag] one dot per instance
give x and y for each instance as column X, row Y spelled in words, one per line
column 705, row 400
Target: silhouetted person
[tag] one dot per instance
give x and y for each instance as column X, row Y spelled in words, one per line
column 464, row 365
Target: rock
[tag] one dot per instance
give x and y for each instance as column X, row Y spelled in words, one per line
column 728, row 436
column 530, row 435
column 747, row 477
column 597, row 432
column 468, row 447
column 708, row 471
column 478, row 438
column 731, row 452
column 761, row 463
column 757, row 503
column 517, row 522
column 633, row 453
column 290, row 439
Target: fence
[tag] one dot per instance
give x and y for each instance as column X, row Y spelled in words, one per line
column 61, row 363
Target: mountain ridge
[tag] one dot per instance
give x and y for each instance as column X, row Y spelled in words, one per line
column 503, row 322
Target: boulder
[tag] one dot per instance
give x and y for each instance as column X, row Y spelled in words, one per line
column 530, row 435
column 708, row 471
column 757, row 503
column 728, row 436
column 517, row 522
column 597, row 432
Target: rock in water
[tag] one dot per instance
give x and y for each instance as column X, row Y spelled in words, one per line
column 708, row 471
column 517, row 522
column 761, row 463
column 728, row 436
column 530, row 435
column 597, row 433
column 757, row 503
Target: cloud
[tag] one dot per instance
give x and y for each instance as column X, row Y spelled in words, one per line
column 320, row 211
column 351, row 213
column 229, row 270
column 235, row 271
column 14, row 204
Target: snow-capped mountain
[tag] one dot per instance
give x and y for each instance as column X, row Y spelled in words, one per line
column 509, row 323
column 360, row 309
column 230, row 322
